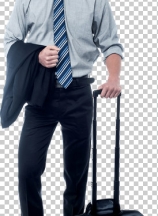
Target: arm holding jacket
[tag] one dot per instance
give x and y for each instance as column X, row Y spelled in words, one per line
column 16, row 28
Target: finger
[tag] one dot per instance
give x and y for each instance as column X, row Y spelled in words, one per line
column 52, row 52
column 53, row 63
column 117, row 93
column 51, row 58
column 50, row 66
column 54, row 47
column 113, row 93
column 104, row 92
column 110, row 91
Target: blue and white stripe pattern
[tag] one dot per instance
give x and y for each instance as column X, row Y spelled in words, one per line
column 63, row 67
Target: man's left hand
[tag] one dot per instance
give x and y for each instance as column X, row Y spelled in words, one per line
column 111, row 88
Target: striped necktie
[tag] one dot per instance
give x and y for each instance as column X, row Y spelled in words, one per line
column 63, row 67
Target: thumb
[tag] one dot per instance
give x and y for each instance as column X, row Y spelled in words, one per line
column 100, row 87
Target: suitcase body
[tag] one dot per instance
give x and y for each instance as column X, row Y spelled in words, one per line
column 106, row 207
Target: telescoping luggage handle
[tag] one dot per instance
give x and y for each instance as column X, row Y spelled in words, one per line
column 117, row 153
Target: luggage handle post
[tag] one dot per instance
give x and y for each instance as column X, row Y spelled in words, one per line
column 117, row 154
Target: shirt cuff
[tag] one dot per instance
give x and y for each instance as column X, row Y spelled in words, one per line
column 111, row 50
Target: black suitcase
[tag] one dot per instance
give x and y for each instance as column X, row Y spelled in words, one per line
column 106, row 207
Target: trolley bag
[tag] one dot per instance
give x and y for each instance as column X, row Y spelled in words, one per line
column 106, row 207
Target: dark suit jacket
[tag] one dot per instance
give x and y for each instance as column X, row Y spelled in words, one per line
column 26, row 81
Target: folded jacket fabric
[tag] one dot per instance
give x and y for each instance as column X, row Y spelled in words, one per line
column 26, row 81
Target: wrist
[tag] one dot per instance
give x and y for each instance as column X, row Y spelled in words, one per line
column 114, row 77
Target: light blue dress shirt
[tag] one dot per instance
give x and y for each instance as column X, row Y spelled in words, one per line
column 90, row 25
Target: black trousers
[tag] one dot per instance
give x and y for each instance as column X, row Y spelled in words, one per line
column 73, row 109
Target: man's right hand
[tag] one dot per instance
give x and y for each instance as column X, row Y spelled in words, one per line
column 48, row 57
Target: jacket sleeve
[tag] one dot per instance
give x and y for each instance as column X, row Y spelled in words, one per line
column 16, row 28
column 105, row 30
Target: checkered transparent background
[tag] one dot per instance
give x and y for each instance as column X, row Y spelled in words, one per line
column 137, row 28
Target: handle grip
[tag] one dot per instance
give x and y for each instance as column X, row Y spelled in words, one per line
column 98, row 91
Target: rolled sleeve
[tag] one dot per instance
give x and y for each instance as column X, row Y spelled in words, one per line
column 16, row 28
column 105, row 30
